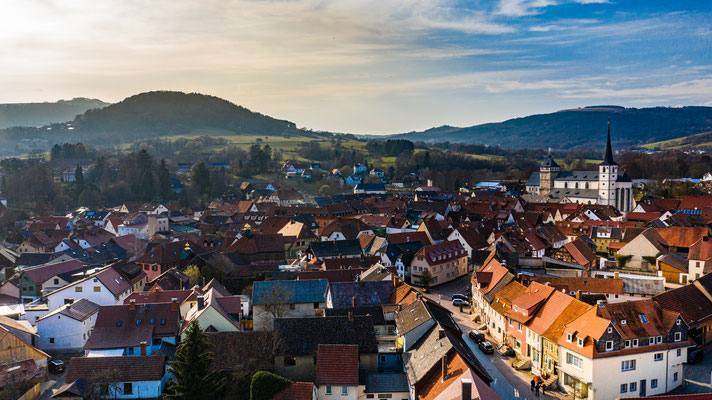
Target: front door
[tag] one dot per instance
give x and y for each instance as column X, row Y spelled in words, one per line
column 642, row 388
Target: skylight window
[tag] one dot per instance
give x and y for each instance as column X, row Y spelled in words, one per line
column 643, row 318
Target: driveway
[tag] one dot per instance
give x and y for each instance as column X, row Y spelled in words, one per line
column 509, row 383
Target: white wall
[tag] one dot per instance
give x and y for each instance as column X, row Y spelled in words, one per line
column 263, row 320
column 68, row 333
column 336, row 393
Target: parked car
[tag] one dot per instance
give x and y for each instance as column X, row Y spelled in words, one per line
column 505, row 350
column 460, row 302
column 694, row 355
column 56, row 366
column 460, row 296
column 486, row 347
column 477, row 337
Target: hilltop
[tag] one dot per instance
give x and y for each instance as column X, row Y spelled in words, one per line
column 582, row 128
column 36, row 114
column 153, row 115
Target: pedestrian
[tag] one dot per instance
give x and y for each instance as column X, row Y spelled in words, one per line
column 543, row 390
column 536, row 390
column 533, row 384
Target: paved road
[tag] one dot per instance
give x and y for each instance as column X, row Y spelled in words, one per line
column 697, row 376
column 508, row 383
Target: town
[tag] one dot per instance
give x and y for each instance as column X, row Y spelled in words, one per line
column 581, row 286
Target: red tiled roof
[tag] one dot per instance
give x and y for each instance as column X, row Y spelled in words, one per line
column 337, row 364
column 442, row 252
column 163, row 296
column 405, row 237
column 296, row 391
column 128, row 369
column 681, row 236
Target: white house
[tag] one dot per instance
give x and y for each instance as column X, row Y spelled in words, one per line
column 142, row 377
column 286, row 299
column 67, row 328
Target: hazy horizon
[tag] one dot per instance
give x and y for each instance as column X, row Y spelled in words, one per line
column 365, row 67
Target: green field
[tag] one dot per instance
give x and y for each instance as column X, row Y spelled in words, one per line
column 700, row 140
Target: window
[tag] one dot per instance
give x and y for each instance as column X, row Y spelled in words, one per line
column 580, row 342
column 643, row 318
column 633, row 386
column 609, row 345
column 679, row 352
column 370, row 396
column 328, row 389
column 573, row 360
column 97, row 288
column 128, row 388
column 519, row 327
column 628, row 365
column 610, row 329
column 626, row 344
column 51, row 340
column 569, row 337
column 674, row 377
column 678, row 322
column 78, row 288
column 658, row 357
column 56, row 281
column 316, row 304
column 659, row 339
column 156, row 342
column 130, row 351
column 624, row 388
column 678, row 336
column 344, row 390
column 653, row 383
column 291, row 361
column 635, row 342
column 292, row 306
column 623, row 322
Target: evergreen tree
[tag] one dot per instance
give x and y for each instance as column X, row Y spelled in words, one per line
column 164, row 181
column 201, row 179
column 97, row 173
column 147, row 186
column 79, row 177
column 192, row 370
column 426, row 160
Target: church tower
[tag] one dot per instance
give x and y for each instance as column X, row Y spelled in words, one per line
column 608, row 193
column 547, row 174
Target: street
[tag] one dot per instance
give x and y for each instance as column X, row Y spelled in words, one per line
column 697, row 376
column 508, row 382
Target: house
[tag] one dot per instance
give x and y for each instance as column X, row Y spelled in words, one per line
column 44, row 278
column 334, row 249
column 380, row 173
column 67, row 328
column 633, row 348
column 142, row 377
column 438, row 263
column 286, row 299
column 96, row 218
column 337, row 373
column 694, row 303
column 360, row 169
column 602, row 236
column 13, row 349
column 578, row 255
column 301, row 338
column 352, row 294
column 700, row 260
column 345, row 229
column 352, row 180
column 524, row 308
column 370, row 188
column 185, row 299
column 470, row 240
column 133, row 330
column 297, row 391
column 286, row 197
column 387, row 385
column 168, row 255
column 215, row 312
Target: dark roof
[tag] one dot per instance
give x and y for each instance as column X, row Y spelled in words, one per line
column 608, row 155
column 365, row 293
column 128, row 369
column 78, row 310
column 118, row 326
column 231, row 350
column 387, row 382
column 689, row 301
column 42, row 273
column 32, row 259
column 164, row 296
column 335, row 248
column 302, row 336
column 550, row 163
column 289, row 292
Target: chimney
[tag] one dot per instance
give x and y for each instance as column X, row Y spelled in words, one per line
column 466, row 385
column 443, row 366
column 441, row 334
column 353, row 301
column 578, row 295
column 615, row 275
column 132, row 304
column 351, row 317
column 201, row 302
column 174, row 304
column 143, row 348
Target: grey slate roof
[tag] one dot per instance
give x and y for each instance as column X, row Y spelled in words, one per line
column 387, row 382
column 291, row 292
column 375, row 311
column 302, row 336
column 336, row 248
column 366, row 293
column 508, row 277
column 425, row 354
column 80, row 310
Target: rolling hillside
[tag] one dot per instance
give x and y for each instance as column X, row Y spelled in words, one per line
column 583, row 128
column 36, row 114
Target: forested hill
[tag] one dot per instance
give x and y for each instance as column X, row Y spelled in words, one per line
column 583, row 128
column 36, row 114
column 156, row 114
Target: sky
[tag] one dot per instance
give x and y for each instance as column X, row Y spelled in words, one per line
column 364, row 66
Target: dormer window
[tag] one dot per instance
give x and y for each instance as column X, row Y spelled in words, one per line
column 580, row 342
column 569, row 337
column 678, row 322
column 623, row 322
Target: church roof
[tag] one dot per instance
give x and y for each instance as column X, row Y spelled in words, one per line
column 577, row 176
column 608, row 158
column 533, row 179
column 550, row 162
column 623, row 177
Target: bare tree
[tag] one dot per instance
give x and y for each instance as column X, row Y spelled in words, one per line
column 277, row 301
column 104, row 384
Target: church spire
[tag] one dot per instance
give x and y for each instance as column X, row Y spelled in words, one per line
column 608, row 158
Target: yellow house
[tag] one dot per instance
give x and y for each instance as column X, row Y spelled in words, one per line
column 14, row 349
